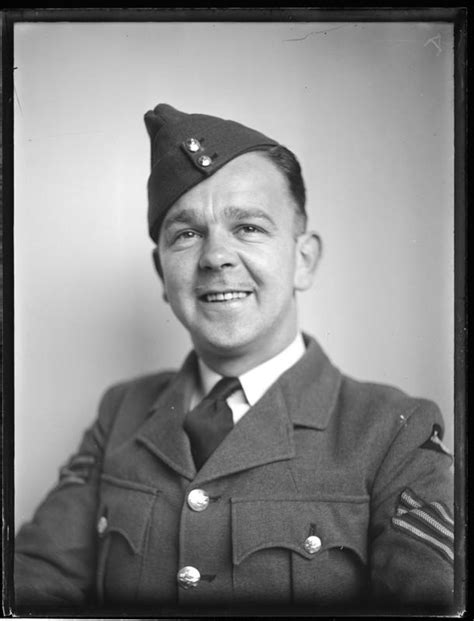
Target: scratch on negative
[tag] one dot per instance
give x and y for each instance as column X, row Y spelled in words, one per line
column 18, row 99
column 436, row 41
column 314, row 32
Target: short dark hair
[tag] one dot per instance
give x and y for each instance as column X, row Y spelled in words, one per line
column 287, row 163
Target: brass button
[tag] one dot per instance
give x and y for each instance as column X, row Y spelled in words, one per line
column 312, row 544
column 192, row 145
column 102, row 525
column 198, row 500
column 204, row 161
column 188, row 577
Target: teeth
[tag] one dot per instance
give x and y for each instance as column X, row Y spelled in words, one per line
column 224, row 297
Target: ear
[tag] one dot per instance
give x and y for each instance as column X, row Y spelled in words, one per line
column 156, row 261
column 157, row 264
column 308, row 252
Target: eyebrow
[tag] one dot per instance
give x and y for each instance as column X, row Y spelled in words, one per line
column 182, row 216
column 242, row 213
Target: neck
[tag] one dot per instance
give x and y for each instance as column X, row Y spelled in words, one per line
column 234, row 364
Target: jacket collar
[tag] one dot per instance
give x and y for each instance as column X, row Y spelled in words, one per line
column 305, row 395
column 311, row 387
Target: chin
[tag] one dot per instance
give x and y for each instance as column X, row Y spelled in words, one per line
column 226, row 344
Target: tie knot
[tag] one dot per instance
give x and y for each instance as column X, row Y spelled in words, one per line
column 224, row 388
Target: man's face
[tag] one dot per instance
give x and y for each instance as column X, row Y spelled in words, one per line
column 231, row 262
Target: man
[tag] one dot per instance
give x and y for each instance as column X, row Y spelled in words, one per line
column 257, row 475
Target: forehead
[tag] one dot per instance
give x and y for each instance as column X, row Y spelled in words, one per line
column 248, row 180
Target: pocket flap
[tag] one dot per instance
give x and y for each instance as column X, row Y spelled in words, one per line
column 125, row 508
column 287, row 523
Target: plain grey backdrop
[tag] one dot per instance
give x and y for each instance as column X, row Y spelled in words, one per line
column 368, row 109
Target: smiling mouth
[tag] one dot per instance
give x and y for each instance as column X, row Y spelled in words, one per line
column 224, row 296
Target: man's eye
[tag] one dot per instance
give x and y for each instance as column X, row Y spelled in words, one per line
column 185, row 236
column 250, row 229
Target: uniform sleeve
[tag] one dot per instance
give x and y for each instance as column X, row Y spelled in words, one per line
column 412, row 527
column 55, row 553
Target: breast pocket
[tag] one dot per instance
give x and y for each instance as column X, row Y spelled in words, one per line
column 122, row 524
column 300, row 551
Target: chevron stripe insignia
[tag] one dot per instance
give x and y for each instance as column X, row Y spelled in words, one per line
column 77, row 470
column 430, row 523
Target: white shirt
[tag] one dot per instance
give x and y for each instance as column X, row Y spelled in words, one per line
column 254, row 382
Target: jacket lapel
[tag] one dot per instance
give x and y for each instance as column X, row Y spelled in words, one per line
column 263, row 435
column 163, row 433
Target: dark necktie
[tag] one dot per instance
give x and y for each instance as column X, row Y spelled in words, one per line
column 211, row 420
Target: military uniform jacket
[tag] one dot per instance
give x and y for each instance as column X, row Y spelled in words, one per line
column 327, row 492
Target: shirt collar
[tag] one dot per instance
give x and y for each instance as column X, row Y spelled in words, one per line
column 257, row 381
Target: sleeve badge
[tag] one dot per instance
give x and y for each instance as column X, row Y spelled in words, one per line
column 430, row 523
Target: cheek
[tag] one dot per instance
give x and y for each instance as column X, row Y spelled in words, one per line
column 177, row 270
column 269, row 260
column 277, row 267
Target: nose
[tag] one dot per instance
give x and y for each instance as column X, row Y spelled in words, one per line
column 217, row 252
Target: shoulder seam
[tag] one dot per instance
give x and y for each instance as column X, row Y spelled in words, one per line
column 407, row 417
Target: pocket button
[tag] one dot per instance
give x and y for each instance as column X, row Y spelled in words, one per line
column 312, row 544
column 188, row 577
